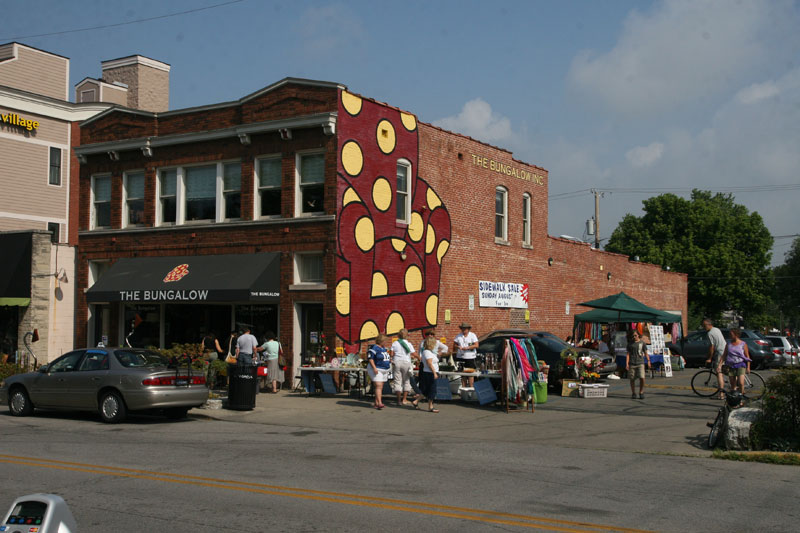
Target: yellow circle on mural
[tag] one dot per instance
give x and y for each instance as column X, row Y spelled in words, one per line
column 351, row 103
column 369, row 330
column 430, row 239
column 409, row 121
column 380, row 286
column 352, row 158
column 413, row 279
column 431, row 307
column 415, row 228
column 350, row 196
column 386, row 136
column 433, row 199
column 382, row 194
column 365, row 234
column 343, row 297
column 399, row 245
column 394, row 323
column 443, row 247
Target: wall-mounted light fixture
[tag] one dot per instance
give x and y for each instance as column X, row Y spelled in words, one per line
column 635, row 258
column 550, row 261
column 667, row 268
column 608, row 276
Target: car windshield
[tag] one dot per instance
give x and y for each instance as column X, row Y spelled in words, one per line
column 552, row 343
column 140, row 358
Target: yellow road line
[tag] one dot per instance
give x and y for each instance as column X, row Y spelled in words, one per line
column 445, row 511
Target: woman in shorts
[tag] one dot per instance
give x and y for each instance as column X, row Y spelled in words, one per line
column 429, row 373
column 737, row 359
column 378, row 366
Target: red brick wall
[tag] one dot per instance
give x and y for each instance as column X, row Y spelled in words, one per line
column 468, row 191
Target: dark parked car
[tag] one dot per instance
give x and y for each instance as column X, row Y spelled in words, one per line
column 110, row 381
column 695, row 346
column 548, row 349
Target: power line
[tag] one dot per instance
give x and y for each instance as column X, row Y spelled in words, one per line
column 633, row 190
column 148, row 19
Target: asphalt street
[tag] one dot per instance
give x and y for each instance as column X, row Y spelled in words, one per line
column 298, row 463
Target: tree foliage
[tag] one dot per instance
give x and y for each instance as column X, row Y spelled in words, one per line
column 723, row 248
column 787, row 285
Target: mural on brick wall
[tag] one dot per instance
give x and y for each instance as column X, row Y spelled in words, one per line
column 387, row 272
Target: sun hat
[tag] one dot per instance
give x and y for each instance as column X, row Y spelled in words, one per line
column 464, row 325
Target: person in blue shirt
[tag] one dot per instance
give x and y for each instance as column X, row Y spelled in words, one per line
column 378, row 366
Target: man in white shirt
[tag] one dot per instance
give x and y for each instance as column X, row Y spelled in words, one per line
column 716, row 349
column 466, row 344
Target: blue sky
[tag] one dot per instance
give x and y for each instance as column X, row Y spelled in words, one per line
column 620, row 95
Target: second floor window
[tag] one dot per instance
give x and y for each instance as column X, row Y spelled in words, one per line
column 101, row 202
column 311, row 183
column 168, row 196
column 55, row 166
column 232, row 190
column 403, row 191
column 310, row 268
column 201, row 193
column 526, row 218
column 501, row 214
column 269, row 186
column 134, row 199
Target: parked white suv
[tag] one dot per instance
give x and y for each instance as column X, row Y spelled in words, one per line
column 783, row 348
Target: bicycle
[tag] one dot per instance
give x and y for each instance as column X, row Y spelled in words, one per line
column 705, row 385
column 732, row 400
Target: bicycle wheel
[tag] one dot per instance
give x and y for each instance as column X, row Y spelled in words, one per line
column 716, row 429
column 753, row 386
column 704, row 384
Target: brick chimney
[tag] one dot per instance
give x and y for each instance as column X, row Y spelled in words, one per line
column 147, row 81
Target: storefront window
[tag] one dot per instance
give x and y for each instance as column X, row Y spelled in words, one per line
column 269, row 186
column 9, row 327
column 260, row 318
column 188, row 323
column 141, row 325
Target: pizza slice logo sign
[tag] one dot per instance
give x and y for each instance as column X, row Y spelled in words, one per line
column 177, row 273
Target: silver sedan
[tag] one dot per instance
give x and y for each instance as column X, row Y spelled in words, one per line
column 111, row 381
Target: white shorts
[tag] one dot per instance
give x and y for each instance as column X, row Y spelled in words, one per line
column 382, row 375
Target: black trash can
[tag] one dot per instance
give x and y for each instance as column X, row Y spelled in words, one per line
column 242, row 387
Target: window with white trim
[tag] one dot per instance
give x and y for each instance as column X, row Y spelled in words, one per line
column 269, row 186
column 311, row 183
column 133, row 201
column 403, row 191
column 526, row 219
column 88, row 95
column 101, row 202
column 501, row 214
column 200, row 184
column 168, row 196
column 310, row 268
column 54, row 177
column 232, row 191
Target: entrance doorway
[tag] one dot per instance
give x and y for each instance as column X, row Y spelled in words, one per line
column 311, row 331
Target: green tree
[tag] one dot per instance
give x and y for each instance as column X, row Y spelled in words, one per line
column 723, row 248
column 787, row 284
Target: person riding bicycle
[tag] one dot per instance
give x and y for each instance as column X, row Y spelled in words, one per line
column 716, row 350
column 737, row 359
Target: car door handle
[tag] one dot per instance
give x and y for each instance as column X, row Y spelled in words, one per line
column 95, row 378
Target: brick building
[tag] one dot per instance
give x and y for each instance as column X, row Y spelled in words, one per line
column 326, row 217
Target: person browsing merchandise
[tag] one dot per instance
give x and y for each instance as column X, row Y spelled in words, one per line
column 429, row 373
column 716, row 350
column 378, row 367
column 402, row 366
column 465, row 344
column 246, row 346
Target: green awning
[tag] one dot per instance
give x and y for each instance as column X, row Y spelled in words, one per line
column 15, row 302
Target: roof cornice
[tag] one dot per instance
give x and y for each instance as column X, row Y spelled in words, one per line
column 49, row 107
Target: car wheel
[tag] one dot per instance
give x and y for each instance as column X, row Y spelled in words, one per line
column 19, row 403
column 176, row 413
column 112, row 408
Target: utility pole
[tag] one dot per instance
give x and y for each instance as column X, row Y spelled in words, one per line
column 596, row 218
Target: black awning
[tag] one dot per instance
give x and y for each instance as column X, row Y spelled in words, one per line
column 15, row 268
column 191, row 279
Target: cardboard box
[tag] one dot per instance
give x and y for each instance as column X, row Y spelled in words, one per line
column 569, row 387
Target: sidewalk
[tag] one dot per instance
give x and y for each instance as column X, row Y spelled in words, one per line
column 671, row 419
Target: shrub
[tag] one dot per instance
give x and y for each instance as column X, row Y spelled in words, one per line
column 9, row 369
column 778, row 427
column 180, row 351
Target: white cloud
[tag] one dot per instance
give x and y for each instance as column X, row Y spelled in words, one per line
column 477, row 120
column 679, row 52
column 328, row 29
column 757, row 92
column 645, row 156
